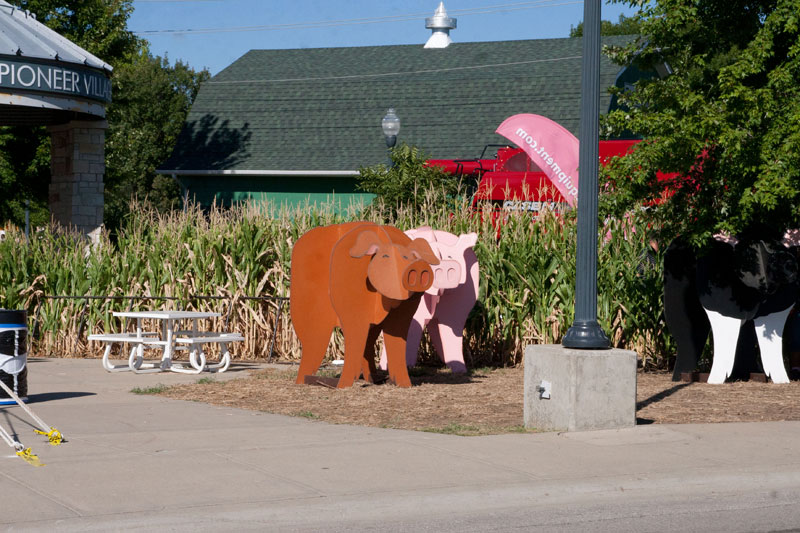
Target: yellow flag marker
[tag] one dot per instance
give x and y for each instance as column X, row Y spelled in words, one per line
column 29, row 457
column 54, row 436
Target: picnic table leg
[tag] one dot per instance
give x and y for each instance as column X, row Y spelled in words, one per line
column 196, row 366
column 136, row 357
column 224, row 359
column 166, row 360
column 196, row 351
column 137, row 350
column 107, row 364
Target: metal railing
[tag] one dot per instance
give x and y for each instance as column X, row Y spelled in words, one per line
column 279, row 303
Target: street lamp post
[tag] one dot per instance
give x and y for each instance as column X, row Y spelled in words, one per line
column 585, row 332
column 391, row 127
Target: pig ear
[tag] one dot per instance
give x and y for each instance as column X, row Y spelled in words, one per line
column 467, row 240
column 422, row 232
column 367, row 243
column 422, row 249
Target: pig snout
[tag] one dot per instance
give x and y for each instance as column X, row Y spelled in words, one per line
column 447, row 274
column 418, row 277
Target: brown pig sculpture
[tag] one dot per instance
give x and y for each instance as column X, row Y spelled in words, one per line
column 366, row 279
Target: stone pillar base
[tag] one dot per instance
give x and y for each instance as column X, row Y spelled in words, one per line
column 77, row 167
column 587, row 389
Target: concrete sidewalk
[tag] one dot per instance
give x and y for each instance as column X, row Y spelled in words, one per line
column 137, row 462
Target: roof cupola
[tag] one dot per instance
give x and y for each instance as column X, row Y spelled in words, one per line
column 440, row 24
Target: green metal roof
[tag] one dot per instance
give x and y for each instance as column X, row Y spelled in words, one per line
column 320, row 109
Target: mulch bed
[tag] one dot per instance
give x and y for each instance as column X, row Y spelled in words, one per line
column 483, row 402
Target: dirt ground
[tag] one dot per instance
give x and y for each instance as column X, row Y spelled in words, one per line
column 485, row 401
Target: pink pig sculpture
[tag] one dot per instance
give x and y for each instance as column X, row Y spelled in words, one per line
column 445, row 306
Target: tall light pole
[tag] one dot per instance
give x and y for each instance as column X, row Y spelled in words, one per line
column 391, row 127
column 585, row 331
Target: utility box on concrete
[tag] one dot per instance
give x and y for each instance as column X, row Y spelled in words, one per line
column 576, row 390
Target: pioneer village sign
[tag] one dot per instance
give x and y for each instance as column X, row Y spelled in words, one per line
column 72, row 81
column 46, row 80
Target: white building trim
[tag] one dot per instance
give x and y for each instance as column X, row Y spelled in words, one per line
column 309, row 173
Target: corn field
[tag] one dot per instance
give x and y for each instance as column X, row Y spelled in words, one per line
column 237, row 262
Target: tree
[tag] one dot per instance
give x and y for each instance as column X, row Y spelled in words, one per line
column 624, row 26
column 408, row 180
column 726, row 120
column 152, row 99
column 98, row 26
column 24, row 174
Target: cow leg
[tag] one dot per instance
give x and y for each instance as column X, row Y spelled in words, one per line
column 769, row 329
column 725, row 332
column 314, row 344
column 355, row 342
column 368, row 363
column 685, row 317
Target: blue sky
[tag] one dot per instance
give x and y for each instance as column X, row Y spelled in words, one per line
column 261, row 24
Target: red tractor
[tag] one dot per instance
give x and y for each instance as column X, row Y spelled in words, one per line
column 513, row 182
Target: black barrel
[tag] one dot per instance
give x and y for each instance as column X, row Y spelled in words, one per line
column 13, row 353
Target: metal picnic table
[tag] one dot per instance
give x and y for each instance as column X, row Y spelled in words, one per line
column 169, row 338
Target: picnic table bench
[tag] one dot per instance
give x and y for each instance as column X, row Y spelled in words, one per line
column 168, row 340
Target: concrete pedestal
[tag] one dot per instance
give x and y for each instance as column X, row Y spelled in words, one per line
column 587, row 389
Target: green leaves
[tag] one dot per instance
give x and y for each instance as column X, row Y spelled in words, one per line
column 409, row 180
column 726, row 120
column 151, row 101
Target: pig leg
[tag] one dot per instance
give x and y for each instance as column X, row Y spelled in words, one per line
column 398, row 371
column 448, row 340
column 422, row 315
column 769, row 329
column 395, row 333
column 355, row 342
column 382, row 361
column 368, row 363
column 413, row 340
column 436, row 339
column 725, row 332
column 314, row 343
column 451, row 316
column 412, row 346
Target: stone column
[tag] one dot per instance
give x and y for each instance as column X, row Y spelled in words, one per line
column 77, row 166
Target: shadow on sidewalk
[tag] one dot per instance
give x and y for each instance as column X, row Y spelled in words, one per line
column 48, row 396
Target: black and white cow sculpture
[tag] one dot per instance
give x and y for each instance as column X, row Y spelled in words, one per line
column 722, row 289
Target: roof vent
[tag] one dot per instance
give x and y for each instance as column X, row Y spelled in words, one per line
column 441, row 25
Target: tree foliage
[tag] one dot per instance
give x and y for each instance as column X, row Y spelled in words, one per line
column 726, row 120
column 24, row 174
column 623, row 26
column 150, row 100
column 408, row 180
column 98, row 26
